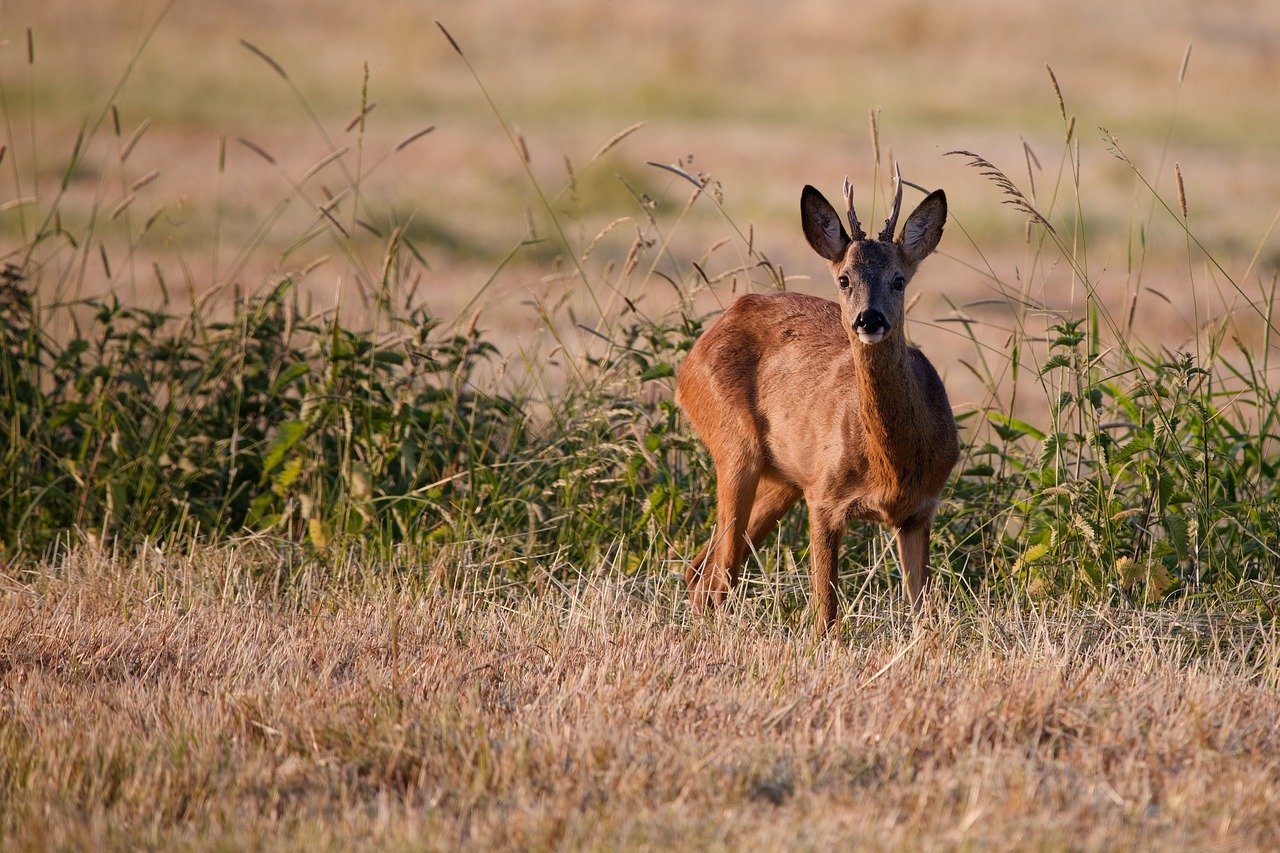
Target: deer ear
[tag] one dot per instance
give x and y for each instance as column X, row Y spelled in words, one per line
column 822, row 226
column 923, row 230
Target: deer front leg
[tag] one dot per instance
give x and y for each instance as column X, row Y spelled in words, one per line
column 913, row 549
column 826, row 529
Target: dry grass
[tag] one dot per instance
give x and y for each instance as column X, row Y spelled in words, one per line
column 232, row 697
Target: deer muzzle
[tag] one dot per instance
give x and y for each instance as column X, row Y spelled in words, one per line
column 870, row 326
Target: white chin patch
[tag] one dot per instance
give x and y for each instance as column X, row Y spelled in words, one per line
column 871, row 337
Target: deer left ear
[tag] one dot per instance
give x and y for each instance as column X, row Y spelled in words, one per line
column 822, row 226
column 923, row 230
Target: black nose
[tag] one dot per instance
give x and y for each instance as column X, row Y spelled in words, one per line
column 871, row 321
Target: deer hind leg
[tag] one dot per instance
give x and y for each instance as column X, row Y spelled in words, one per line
column 773, row 499
column 913, row 549
column 715, row 571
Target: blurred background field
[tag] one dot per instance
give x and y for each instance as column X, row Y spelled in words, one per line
column 762, row 97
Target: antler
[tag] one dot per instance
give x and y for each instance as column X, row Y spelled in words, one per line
column 891, row 224
column 854, row 225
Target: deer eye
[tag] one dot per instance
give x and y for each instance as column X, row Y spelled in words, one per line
column 843, row 281
column 899, row 282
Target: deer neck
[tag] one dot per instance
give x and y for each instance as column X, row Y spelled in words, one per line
column 890, row 406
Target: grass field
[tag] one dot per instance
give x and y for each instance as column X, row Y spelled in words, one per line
column 343, row 500
column 174, row 700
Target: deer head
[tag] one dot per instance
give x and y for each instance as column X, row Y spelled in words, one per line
column 872, row 275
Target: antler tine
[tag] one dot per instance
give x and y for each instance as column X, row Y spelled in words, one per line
column 854, row 225
column 891, row 224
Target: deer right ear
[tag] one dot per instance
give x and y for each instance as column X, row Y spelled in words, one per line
column 822, row 226
column 923, row 230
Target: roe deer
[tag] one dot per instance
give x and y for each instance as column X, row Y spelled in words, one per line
column 796, row 395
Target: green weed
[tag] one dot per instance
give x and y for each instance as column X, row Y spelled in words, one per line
column 1146, row 474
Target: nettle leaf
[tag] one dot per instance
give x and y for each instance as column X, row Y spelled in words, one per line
column 65, row 414
column 1054, row 362
column 1165, row 488
column 1140, row 442
column 288, row 474
column 291, row 432
column 1033, row 554
column 1102, row 444
column 658, row 371
column 1050, row 446
column 1068, row 337
column 261, row 514
column 289, row 374
column 1064, row 399
column 1175, row 527
column 137, row 380
column 74, row 350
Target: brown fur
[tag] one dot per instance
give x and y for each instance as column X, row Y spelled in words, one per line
column 790, row 402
